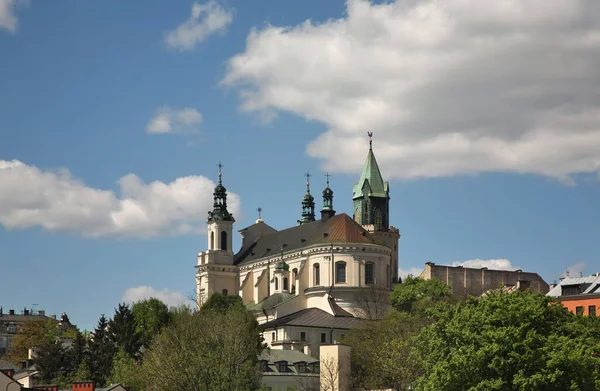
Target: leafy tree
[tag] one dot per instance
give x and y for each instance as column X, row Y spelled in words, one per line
column 209, row 350
column 221, row 303
column 123, row 332
column 51, row 361
column 509, row 341
column 32, row 333
column 151, row 315
column 416, row 293
column 382, row 352
column 101, row 352
column 126, row 372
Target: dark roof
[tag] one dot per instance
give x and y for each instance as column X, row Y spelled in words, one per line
column 314, row 317
column 337, row 310
column 269, row 302
column 19, row 318
column 337, row 229
column 7, row 365
column 290, row 356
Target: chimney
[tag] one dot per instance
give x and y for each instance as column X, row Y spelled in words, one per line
column 23, row 364
column 11, row 312
column 46, row 388
column 25, row 311
column 335, row 356
column 29, row 362
column 8, row 372
column 87, row 385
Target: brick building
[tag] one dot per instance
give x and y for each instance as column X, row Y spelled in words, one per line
column 466, row 281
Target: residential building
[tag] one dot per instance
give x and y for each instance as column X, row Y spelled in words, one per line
column 580, row 295
column 302, row 282
column 464, row 281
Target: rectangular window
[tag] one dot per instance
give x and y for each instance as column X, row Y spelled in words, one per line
column 592, row 310
column 303, row 336
column 282, row 367
column 569, row 290
column 579, row 310
column 369, row 273
column 273, row 336
column 323, row 337
column 340, row 272
column 317, row 274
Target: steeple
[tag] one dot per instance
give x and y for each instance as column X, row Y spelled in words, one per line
column 308, row 204
column 371, row 194
column 220, row 212
column 327, row 210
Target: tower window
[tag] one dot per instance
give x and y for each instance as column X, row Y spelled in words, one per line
column 285, row 284
column 276, row 283
column 223, row 240
column 378, row 219
column 224, row 292
column 317, row 273
column 340, row 272
column 369, row 273
column 212, row 241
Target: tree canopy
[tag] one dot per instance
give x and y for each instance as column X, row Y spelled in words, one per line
column 151, row 315
column 415, row 293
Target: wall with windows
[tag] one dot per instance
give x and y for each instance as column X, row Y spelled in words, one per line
column 583, row 306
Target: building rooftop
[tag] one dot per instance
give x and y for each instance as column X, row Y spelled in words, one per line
column 314, row 317
column 585, row 286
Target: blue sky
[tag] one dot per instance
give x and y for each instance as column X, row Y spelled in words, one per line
column 114, row 115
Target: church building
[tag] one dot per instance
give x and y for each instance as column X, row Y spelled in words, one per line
column 302, row 282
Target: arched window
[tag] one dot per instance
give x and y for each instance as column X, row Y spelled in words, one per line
column 317, row 274
column 223, row 240
column 224, row 292
column 212, row 240
column 340, row 272
column 357, row 215
column 378, row 219
column 285, row 284
column 369, row 273
column 276, row 283
column 294, row 278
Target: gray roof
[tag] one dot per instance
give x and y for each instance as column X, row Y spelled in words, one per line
column 20, row 318
column 290, row 356
column 589, row 285
column 8, row 365
column 337, row 229
column 269, row 302
column 314, row 317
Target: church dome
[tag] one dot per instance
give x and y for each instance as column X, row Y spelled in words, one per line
column 327, row 192
column 282, row 265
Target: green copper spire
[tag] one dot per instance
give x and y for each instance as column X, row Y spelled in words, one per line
column 308, row 204
column 220, row 211
column 371, row 194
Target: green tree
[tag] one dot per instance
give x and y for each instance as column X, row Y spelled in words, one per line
column 209, row 350
column 126, row 371
column 221, row 303
column 32, row 333
column 123, row 332
column 151, row 315
column 382, row 352
column 514, row 342
column 415, row 293
column 101, row 352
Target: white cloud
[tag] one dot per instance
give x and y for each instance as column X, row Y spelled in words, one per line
column 55, row 201
column 169, row 120
column 448, row 87
column 8, row 20
column 575, row 270
column 492, row 264
column 170, row 298
column 206, row 19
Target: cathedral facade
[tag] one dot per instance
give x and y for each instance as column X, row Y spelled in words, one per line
column 302, row 282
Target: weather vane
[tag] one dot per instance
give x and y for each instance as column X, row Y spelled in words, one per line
column 370, row 134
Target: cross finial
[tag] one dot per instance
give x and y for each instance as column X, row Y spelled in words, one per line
column 259, row 209
column 370, row 134
column 307, row 175
column 220, row 167
column 327, row 175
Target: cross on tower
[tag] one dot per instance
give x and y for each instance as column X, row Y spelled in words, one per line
column 307, row 175
column 327, row 175
column 220, row 167
column 259, row 211
column 370, row 134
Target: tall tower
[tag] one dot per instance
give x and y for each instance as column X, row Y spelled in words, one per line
column 308, row 204
column 371, row 199
column 215, row 270
column 327, row 210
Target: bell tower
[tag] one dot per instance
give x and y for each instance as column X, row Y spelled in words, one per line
column 371, row 202
column 216, row 271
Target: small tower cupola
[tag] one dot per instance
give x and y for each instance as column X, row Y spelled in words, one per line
column 327, row 210
column 220, row 221
column 308, row 204
column 281, row 275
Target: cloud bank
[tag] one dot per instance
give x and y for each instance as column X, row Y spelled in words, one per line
column 170, row 298
column 169, row 120
column 448, row 87
column 55, row 201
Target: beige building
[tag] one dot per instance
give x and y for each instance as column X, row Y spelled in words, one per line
column 466, row 281
column 302, row 282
